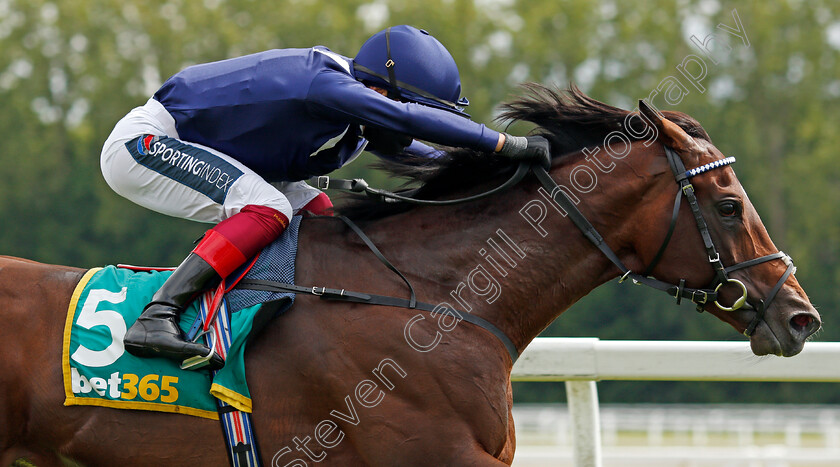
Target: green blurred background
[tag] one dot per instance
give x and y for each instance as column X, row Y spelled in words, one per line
column 70, row 69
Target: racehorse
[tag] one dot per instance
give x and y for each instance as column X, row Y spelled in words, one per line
column 355, row 384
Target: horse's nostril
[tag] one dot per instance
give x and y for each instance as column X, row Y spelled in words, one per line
column 804, row 322
column 801, row 320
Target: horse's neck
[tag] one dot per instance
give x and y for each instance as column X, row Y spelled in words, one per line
column 488, row 259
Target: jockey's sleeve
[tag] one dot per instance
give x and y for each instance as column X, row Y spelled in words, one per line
column 336, row 95
column 417, row 148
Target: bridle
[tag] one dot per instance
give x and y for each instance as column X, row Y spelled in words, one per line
column 700, row 296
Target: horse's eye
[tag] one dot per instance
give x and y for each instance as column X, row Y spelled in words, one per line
column 728, row 209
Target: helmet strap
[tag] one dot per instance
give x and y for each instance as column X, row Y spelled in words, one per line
column 393, row 91
column 394, row 85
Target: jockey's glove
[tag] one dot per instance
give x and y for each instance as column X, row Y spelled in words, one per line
column 527, row 148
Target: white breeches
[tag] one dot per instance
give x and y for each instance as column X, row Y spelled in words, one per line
column 145, row 161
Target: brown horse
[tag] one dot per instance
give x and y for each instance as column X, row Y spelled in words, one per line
column 353, row 384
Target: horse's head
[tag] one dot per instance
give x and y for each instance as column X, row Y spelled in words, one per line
column 756, row 290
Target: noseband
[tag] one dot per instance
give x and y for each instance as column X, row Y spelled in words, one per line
column 702, row 296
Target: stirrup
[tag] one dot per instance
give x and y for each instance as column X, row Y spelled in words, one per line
column 199, row 361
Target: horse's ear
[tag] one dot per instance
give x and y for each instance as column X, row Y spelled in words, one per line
column 668, row 132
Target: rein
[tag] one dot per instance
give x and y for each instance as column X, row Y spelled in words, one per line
column 698, row 296
column 358, row 185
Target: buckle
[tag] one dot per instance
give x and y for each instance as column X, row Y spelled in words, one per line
column 322, row 182
column 688, row 187
column 625, row 276
column 680, row 289
column 701, row 302
column 316, row 292
column 716, row 259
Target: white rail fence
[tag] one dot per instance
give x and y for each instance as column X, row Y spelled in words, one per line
column 580, row 362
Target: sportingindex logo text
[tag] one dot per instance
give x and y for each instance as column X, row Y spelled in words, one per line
column 186, row 164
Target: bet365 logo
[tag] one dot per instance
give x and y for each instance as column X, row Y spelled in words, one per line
column 111, row 329
column 127, row 387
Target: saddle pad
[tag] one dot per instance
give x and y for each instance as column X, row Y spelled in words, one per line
column 98, row 371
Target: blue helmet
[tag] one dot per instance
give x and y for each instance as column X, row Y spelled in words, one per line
column 413, row 65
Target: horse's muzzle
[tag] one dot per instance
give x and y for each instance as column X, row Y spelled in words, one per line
column 785, row 333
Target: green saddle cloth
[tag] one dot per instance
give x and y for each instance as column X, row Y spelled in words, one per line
column 98, row 371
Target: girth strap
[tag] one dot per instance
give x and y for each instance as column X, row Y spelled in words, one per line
column 326, row 293
column 383, row 300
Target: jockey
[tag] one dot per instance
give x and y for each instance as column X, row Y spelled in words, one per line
column 207, row 145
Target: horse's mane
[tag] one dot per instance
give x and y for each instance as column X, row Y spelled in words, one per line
column 568, row 118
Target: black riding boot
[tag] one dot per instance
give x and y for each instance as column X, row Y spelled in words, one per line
column 156, row 332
